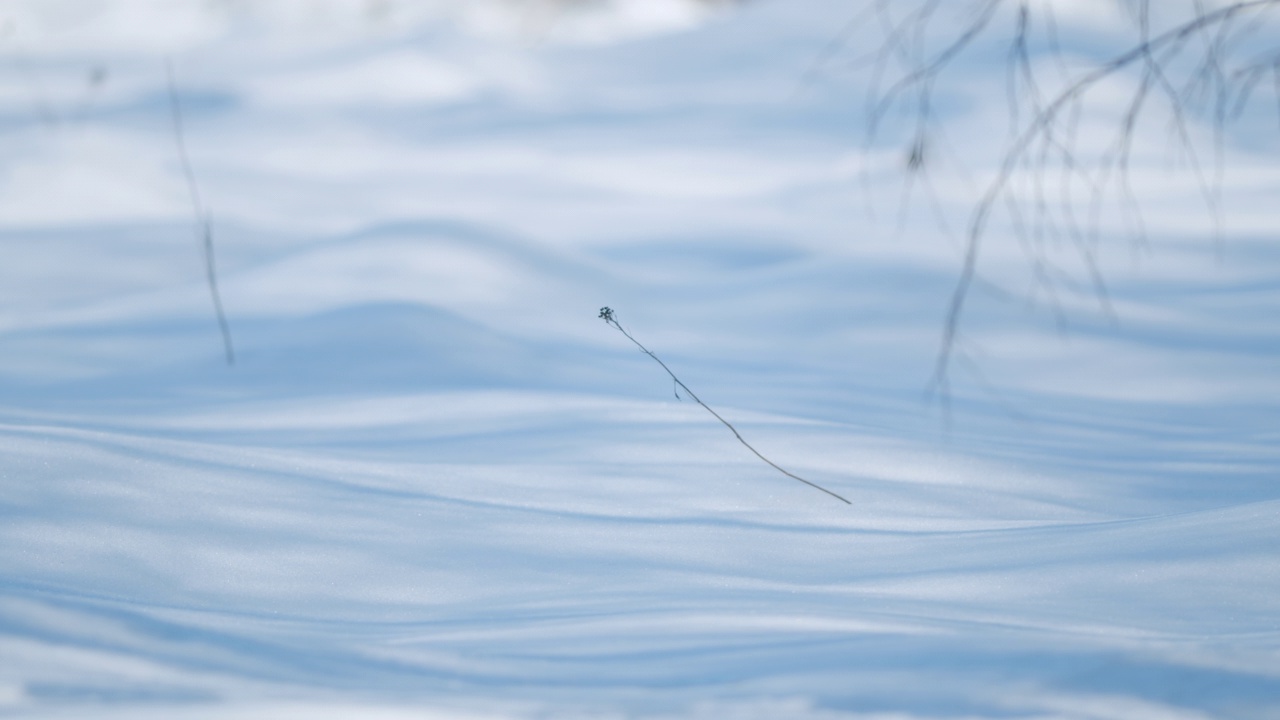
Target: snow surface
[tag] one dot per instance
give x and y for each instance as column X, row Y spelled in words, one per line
column 435, row 485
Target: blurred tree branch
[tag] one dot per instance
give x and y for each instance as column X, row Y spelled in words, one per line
column 1200, row 62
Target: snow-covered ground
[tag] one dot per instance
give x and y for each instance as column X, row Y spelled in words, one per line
column 435, row 485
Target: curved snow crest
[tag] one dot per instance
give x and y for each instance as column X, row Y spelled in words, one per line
column 456, row 551
column 569, row 551
column 435, row 484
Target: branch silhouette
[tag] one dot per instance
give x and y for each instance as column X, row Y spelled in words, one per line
column 1195, row 61
column 1151, row 53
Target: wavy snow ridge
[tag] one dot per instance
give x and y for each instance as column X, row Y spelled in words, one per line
column 436, row 486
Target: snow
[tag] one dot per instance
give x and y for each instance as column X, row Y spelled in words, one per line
column 436, row 485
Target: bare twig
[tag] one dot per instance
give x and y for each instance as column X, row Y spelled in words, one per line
column 1042, row 123
column 1192, row 64
column 607, row 315
column 204, row 220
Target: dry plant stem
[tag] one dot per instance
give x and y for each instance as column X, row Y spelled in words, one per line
column 606, row 314
column 204, row 222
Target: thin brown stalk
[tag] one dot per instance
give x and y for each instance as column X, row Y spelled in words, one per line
column 607, row 315
column 204, row 221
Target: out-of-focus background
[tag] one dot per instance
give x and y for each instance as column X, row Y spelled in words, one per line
column 432, row 483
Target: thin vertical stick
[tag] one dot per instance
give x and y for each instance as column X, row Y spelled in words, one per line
column 607, row 315
column 204, row 221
